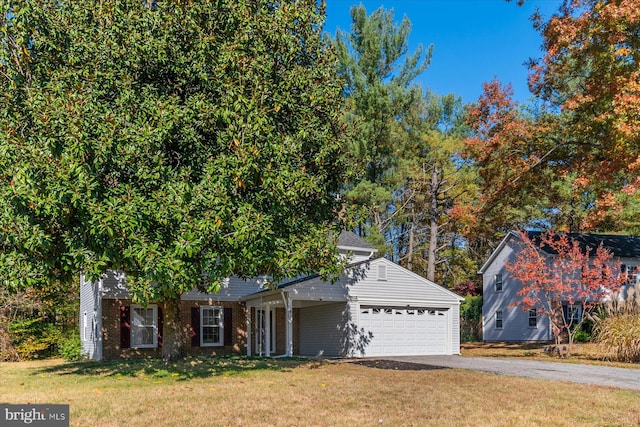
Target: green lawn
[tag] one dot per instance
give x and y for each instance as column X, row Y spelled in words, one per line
column 240, row 391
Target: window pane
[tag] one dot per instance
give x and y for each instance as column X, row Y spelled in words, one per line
column 143, row 327
column 533, row 318
column 211, row 325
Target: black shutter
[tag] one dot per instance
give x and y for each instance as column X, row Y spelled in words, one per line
column 195, row 326
column 160, row 325
column 125, row 326
column 228, row 328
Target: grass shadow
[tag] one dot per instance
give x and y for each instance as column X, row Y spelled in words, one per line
column 185, row 369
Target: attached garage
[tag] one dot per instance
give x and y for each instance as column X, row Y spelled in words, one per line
column 397, row 331
column 378, row 309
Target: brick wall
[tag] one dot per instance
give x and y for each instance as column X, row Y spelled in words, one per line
column 111, row 331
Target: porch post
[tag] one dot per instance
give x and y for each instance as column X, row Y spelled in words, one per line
column 249, row 338
column 289, row 325
column 267, row 332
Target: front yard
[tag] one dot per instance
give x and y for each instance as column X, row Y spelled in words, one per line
column 585, row 353
column 284, row 392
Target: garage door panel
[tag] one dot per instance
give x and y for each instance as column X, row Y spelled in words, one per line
column 400, row 331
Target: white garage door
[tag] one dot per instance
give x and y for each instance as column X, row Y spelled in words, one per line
column 394, row 331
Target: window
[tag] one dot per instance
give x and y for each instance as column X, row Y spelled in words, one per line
column 631, row 272
column 144, row 326
column 382, row 272
column 573, row 314
column 499, row 319
column 498, row 280
column 211, row 326
column 533, row 318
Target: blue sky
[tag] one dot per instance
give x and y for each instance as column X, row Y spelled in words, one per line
column 474, row 40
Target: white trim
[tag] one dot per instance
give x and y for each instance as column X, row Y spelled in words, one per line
column 357, row 249
column 496, row 251
column 249, row 337
column 220, row 326
column 84, row 326
column 154, row 324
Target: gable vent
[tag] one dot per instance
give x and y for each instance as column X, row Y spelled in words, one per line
column 382, row 272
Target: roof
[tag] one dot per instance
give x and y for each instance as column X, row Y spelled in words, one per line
column 350, row 240
column 369, row 262
column 619, row 246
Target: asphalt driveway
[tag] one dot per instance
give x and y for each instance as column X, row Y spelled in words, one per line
column 583, row 374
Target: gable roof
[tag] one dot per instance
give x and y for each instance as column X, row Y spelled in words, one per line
column 351, row 241
column 619, row 246
column 446, row 293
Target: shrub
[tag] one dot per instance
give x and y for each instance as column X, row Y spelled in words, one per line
column 471, row 318
column 582, row 336
column 70, row 347
column 617, row 327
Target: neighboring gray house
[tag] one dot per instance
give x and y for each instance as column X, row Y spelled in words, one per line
column 501, row 321
column 377, row 308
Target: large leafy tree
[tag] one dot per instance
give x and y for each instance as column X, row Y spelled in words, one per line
column 591, row 71
column 178, row 141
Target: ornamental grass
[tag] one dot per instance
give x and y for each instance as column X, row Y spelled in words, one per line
column 617, row 327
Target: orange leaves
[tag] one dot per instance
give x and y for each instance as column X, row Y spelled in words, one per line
column 556, row 267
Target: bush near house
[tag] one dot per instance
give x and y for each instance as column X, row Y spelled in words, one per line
column 617, row 327
column 471, row 318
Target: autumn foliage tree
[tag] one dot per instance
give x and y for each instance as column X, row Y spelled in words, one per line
column 556, row 270
column 590, row 73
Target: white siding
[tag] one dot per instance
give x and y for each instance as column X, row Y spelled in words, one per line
column 454, row 318
column 401, row 287
column 90, row 320
column 322, row 330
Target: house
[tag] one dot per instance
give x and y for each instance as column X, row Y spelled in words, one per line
column 502, row 321
column 376, row 308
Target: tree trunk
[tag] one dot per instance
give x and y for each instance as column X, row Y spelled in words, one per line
column 172, row 337
column 433, row 224
column 410, row 248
